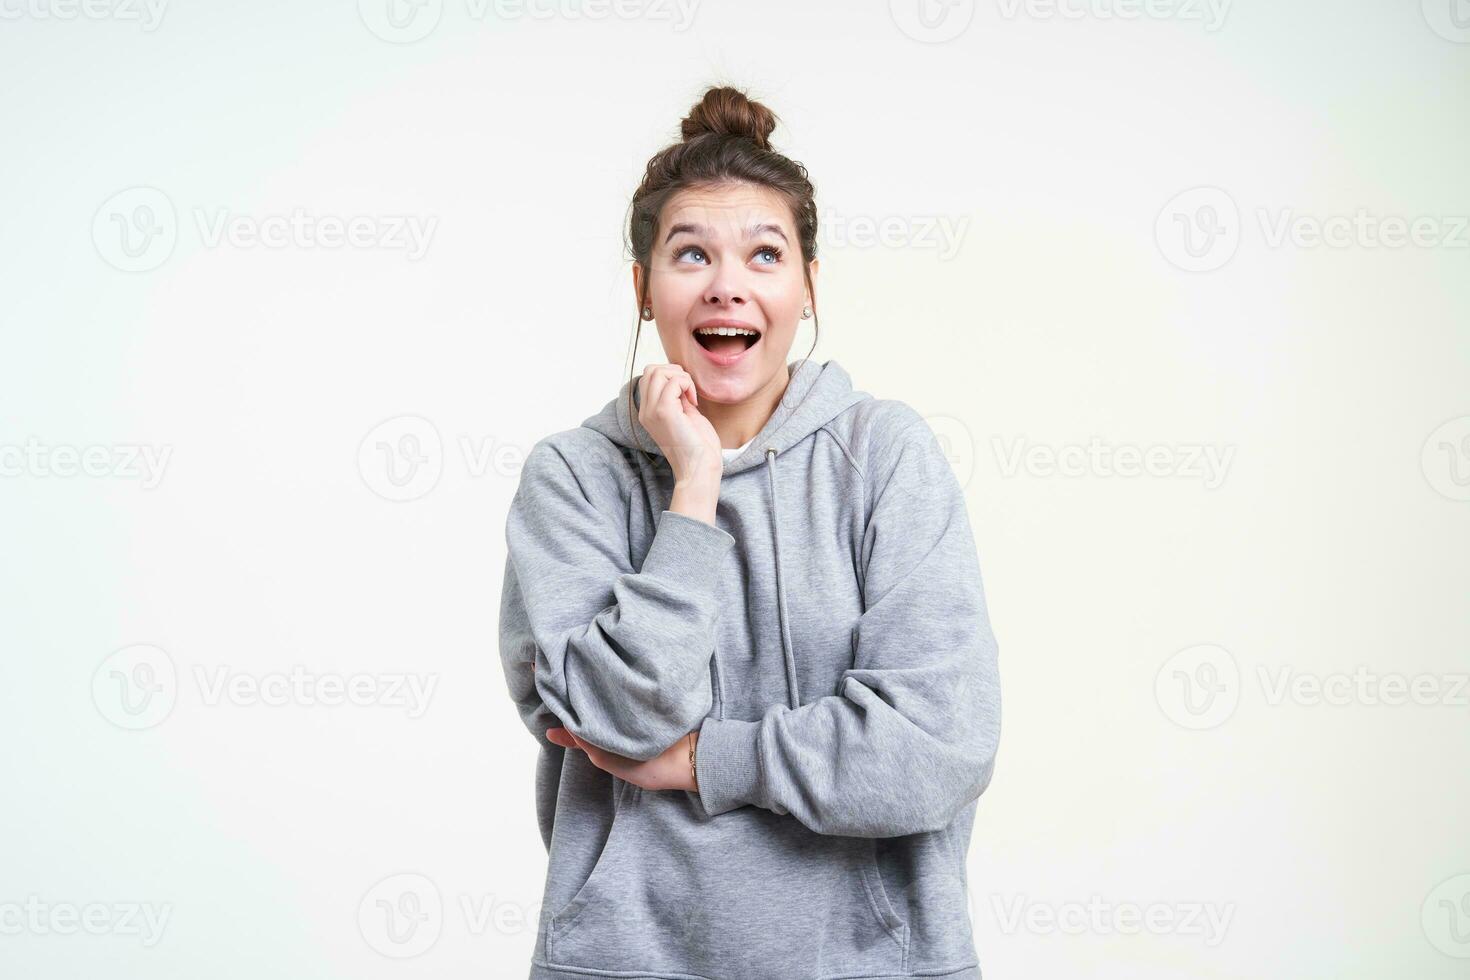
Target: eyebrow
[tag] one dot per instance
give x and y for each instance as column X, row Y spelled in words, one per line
column 751, row 232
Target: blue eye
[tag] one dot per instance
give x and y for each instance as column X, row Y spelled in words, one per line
column 774, row 252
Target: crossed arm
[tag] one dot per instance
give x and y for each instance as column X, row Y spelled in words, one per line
column 909, row 738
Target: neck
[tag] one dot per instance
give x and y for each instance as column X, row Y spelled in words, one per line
column 738, row 423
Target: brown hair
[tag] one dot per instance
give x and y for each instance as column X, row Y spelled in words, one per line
column 726, row 139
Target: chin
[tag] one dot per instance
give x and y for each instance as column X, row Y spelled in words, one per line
column 729, row 385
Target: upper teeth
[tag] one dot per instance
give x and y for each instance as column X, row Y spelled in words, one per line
column 728, row 331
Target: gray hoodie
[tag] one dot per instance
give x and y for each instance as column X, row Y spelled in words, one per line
column 827, row 636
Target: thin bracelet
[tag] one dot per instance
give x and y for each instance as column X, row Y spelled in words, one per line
column 693, row 770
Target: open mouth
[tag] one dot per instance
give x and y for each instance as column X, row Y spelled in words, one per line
column 726, row 341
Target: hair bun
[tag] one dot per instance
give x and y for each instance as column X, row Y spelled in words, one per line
column 728, row 112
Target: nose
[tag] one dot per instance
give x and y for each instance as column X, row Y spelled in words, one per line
column 726, row 288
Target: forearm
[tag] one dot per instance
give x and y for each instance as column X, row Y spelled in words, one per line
column 634, row 678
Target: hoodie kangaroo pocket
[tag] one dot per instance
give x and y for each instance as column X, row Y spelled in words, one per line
column 747, row 893
column 563, row 916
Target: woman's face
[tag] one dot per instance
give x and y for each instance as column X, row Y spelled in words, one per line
column 727, row 255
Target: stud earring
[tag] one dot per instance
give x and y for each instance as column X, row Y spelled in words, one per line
column 647, row 313
column 806, row 312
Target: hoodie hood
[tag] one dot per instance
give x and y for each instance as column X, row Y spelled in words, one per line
column 816, row 394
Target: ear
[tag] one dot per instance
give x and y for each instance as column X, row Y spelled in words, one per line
column 812, row 265
column 638, row 287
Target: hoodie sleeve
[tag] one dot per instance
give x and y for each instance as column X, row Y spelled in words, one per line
column 622, row 654
column 910, row 738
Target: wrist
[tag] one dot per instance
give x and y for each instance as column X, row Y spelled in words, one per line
column 696, row 500
column 693, row 766
column 703, row 478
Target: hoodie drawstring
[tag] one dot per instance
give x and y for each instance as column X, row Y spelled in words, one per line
column 781, row 592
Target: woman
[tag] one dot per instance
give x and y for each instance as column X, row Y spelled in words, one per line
column 743, row 616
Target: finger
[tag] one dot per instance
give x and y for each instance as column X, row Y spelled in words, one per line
column 602, row 758
column 607, row 761
column 597, row 756
column 677, row 385
column 686, row 386
column 674, row 371
column 646, row 384
column 662, row 375
column 651, row 394
column 656, row 387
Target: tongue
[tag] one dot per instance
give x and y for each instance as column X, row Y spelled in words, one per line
column 725, row 345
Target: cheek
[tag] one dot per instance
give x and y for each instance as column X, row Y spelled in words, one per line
column 674, row 295
column 783, row 302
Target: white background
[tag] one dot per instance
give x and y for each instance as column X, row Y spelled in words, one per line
column 1148, row 759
